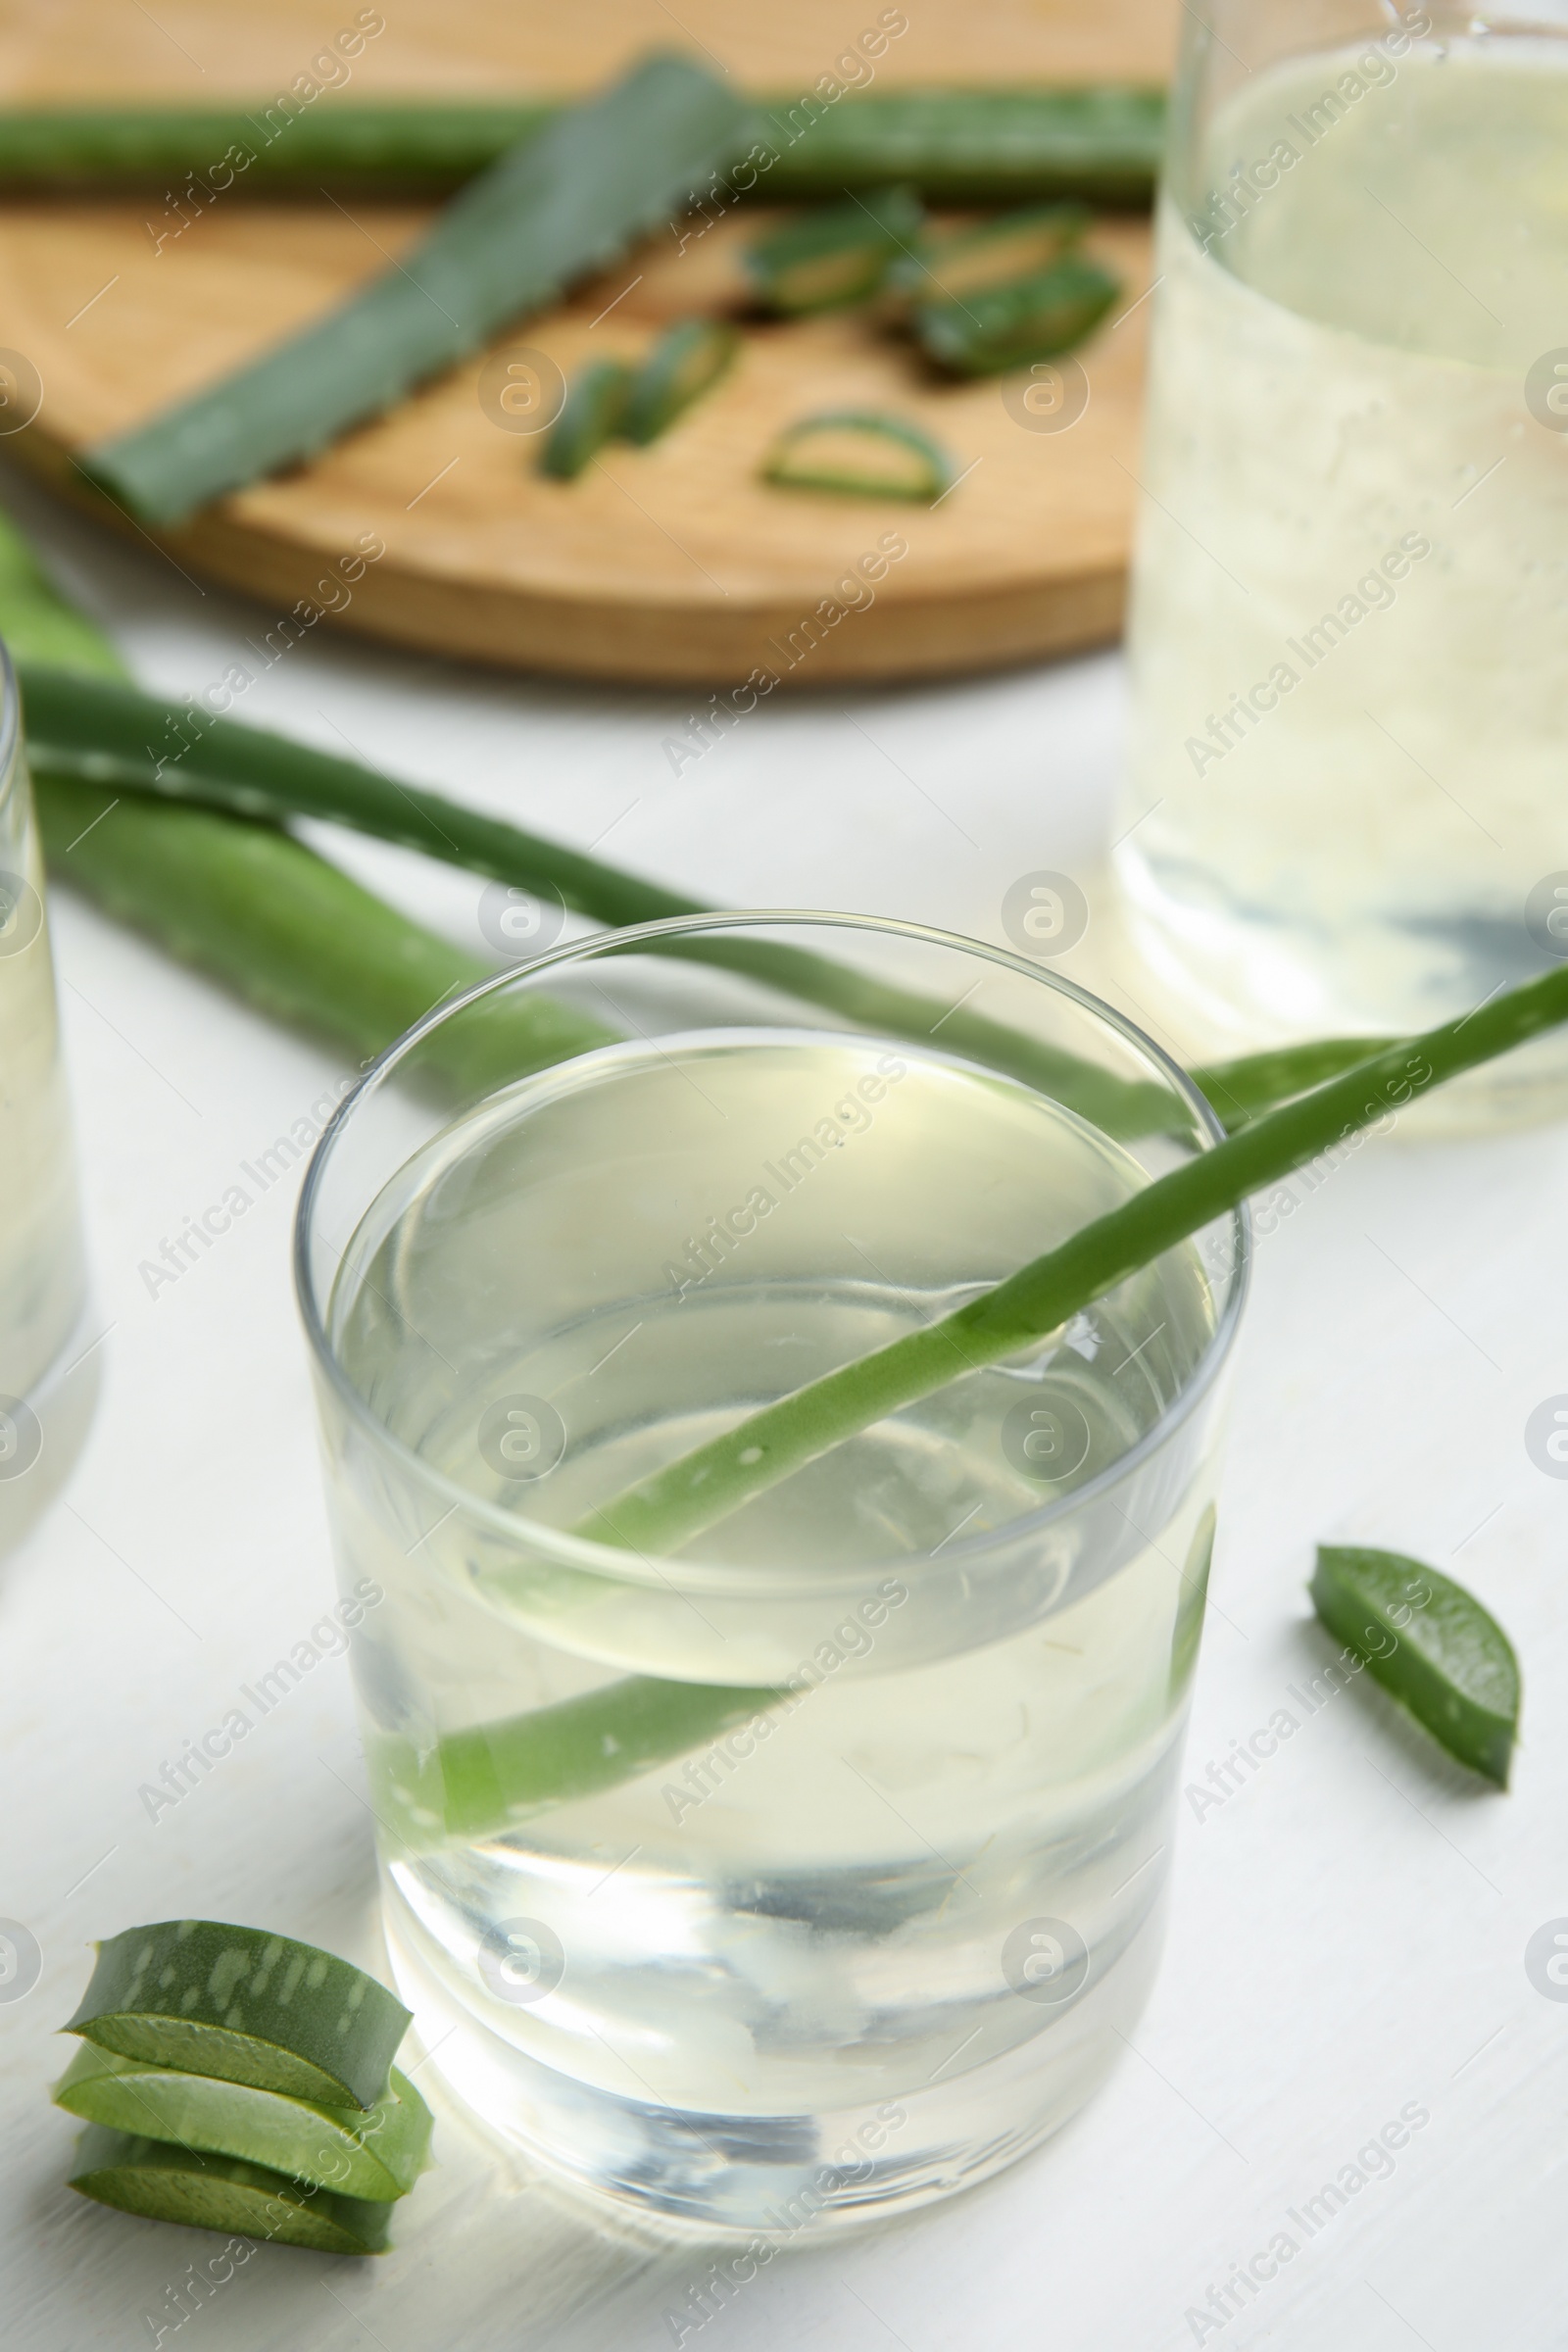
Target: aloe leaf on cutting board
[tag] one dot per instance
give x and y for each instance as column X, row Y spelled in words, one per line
column 955, row 145
column 562, row 203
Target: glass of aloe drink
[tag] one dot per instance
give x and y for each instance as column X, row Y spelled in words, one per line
column 45, row 1393
column 1349, row 621
column 808, row 1864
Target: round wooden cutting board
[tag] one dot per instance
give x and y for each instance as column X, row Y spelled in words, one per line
column 665, row 564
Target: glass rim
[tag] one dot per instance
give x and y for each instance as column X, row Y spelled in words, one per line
column 609, row 1561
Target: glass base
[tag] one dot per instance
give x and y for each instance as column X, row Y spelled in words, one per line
column 50, row 1433
column 771, row 2178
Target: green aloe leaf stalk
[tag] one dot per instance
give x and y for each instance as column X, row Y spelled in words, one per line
column 954, row 144
column 662, row 1511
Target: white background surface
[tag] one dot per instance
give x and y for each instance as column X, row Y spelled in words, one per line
column 1348, row 1928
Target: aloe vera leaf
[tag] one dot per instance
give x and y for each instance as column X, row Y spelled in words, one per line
column 1430, row 1643
column 701, row 1488
column 833, row 256
column 984, row 146
column 165, row 2184
column 860, row 453
column 1035, row 318
column 954, row 144
column 376, row 2153
column 686, row 362
column 296, row 937
column 271, row 146
column 477, row 1781
column 565, row 202
column 1243, row 1090
column 590, row 415
column 207, row 1998
column 107, row 736
column 362, row 973
column 100, row 730
column 39, row 625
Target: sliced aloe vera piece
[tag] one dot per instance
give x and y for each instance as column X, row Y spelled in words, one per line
column 859, row 452
column 377, row 2152
column 209, row 1999
column 166, row 2183
column 590, row 415
column 836, row 256
column 1008, row 327
column 681, row 366
column 999, row 252
column 1431, row 1645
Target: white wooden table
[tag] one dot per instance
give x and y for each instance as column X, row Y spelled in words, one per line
column 1349, row 1925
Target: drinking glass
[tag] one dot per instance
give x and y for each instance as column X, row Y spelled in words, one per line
column 1349, row 612
column 45, row 1394
column 811, row 1866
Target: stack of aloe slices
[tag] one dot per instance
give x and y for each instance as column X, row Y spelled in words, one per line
column 237, row 2080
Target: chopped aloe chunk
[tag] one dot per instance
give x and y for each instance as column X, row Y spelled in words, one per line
column 1431, row 1645
column 836, row 256
column 997, row 253
column 377, row 2152
column 209, row 1999
column 594, row 404
column 166, row 2183
column 1008, row 327
column 681, row 366
column 858, row 454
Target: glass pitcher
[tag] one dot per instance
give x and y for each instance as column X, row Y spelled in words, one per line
column 1344, row 813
